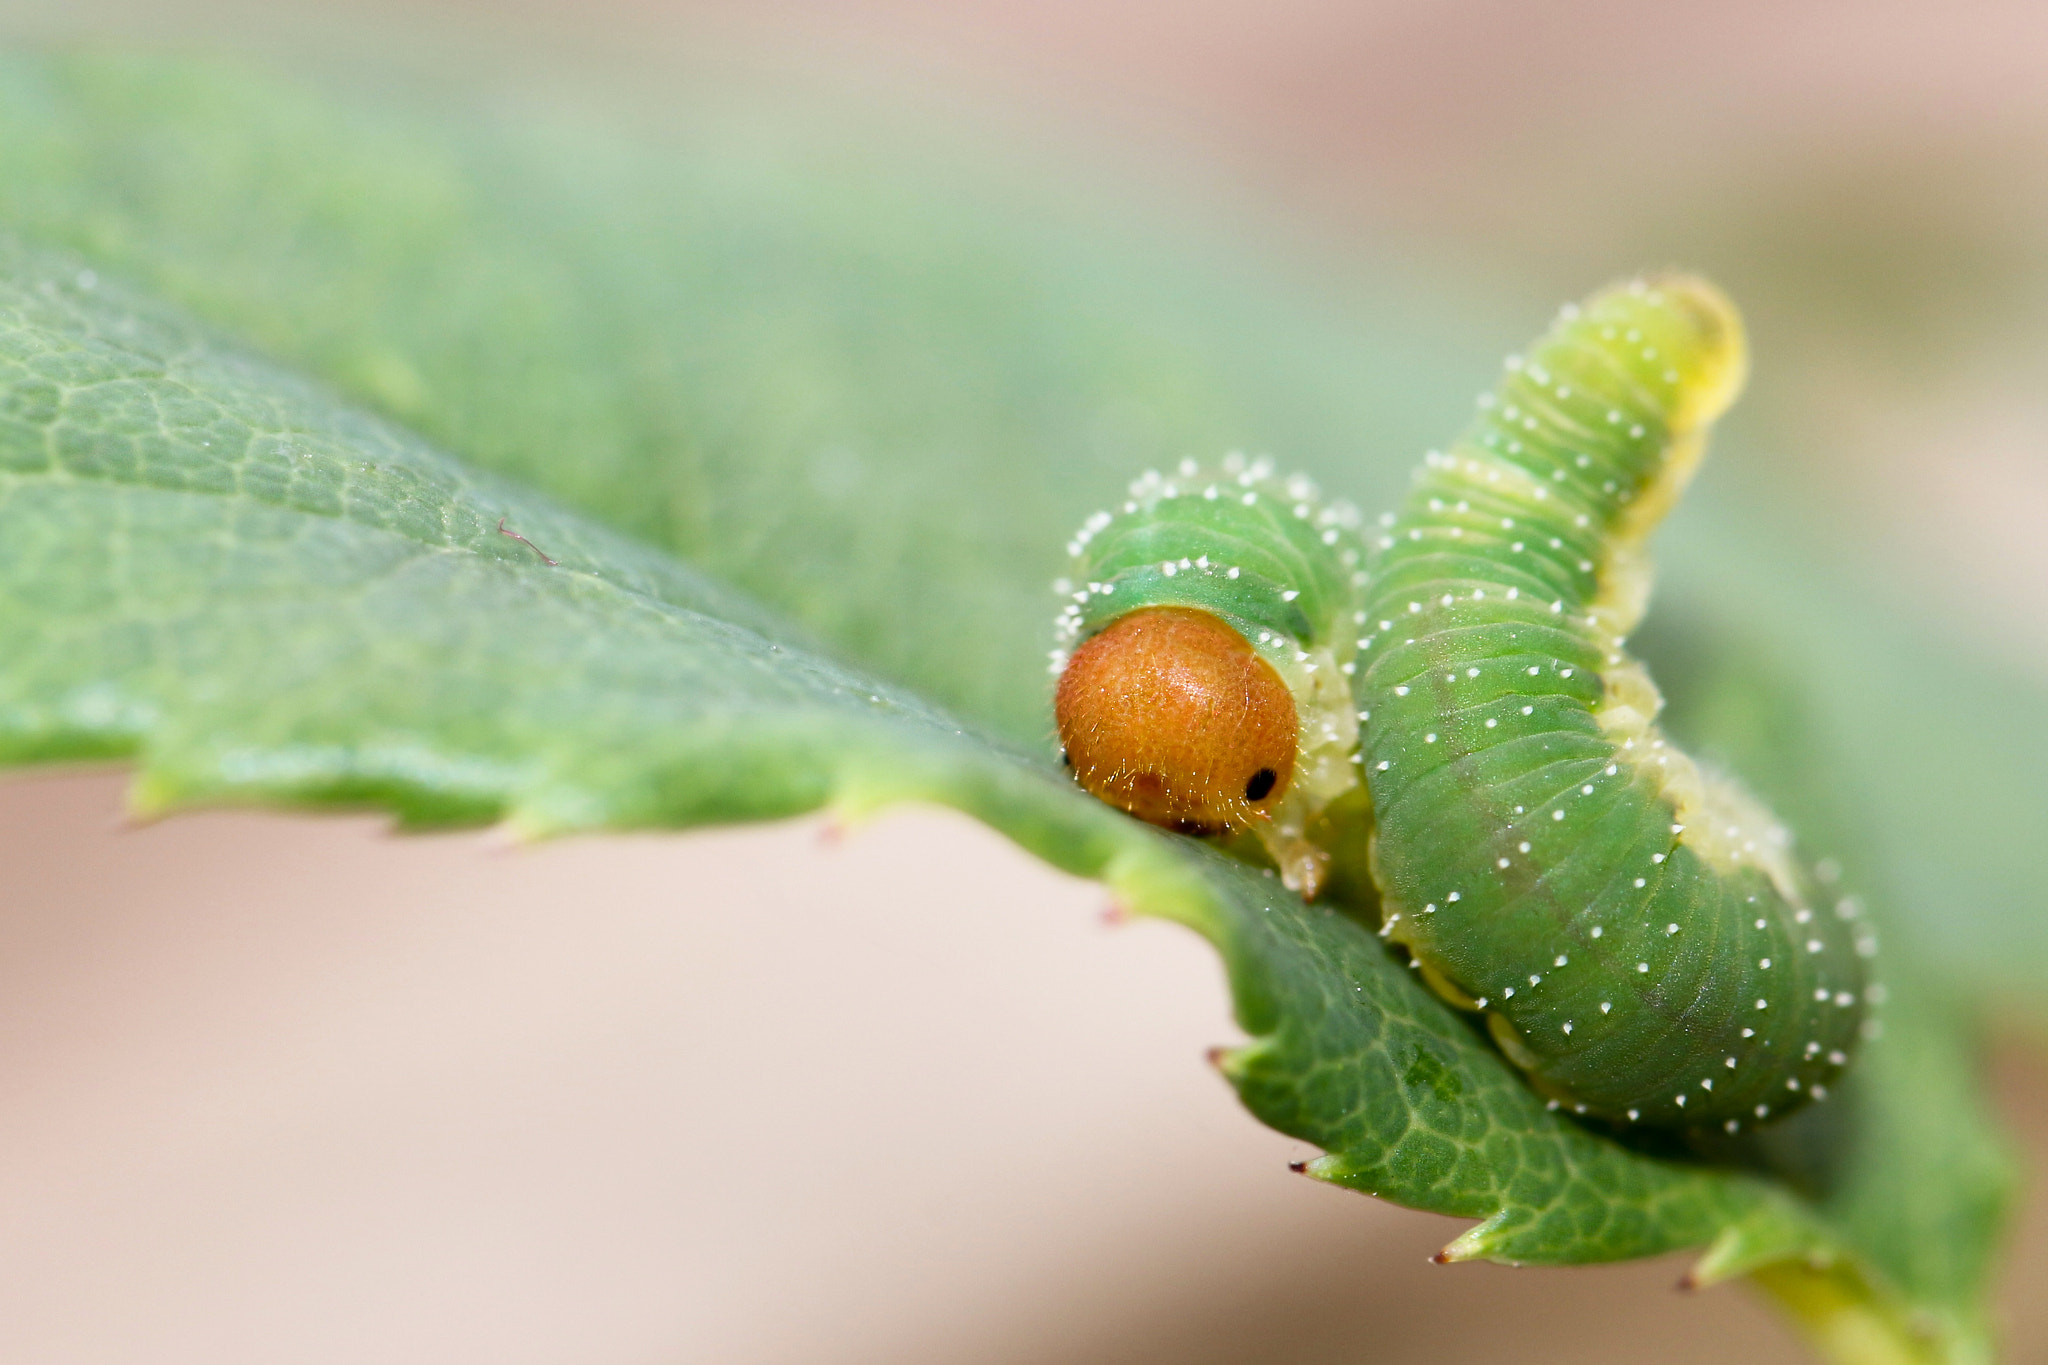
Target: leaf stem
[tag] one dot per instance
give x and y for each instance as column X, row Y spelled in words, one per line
column 1849, row 1323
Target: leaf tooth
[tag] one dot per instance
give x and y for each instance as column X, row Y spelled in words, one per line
column 1747, row 1246
column 1326, row 1167
column 1479, row 1242
column 1229, row 1061
column 1236, row 1063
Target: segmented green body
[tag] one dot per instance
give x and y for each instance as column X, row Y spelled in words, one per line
column 1643, row 937
column 1268, row 556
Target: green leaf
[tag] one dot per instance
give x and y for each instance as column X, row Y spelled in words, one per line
column 264, row 595
column 233, row 547
column 860, row 376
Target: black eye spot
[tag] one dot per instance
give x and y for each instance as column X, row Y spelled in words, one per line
column 1261, row 784
column 1066, row 759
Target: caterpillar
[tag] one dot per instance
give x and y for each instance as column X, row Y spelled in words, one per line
column 1215, row 637
column 1641, row 937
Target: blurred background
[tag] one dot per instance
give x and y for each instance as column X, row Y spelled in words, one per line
column 297, row 1089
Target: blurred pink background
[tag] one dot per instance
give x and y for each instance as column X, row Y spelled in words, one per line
column 295, row 1089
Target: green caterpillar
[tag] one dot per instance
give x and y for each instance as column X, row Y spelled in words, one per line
column 1212, row 688
column 1641, row 937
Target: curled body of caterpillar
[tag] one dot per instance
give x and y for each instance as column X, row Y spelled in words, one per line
column 1642, row 936
column 1216, row 622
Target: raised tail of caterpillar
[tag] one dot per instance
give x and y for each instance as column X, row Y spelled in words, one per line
column 1642, row 936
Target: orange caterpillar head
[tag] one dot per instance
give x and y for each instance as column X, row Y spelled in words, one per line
column 1169, row 714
